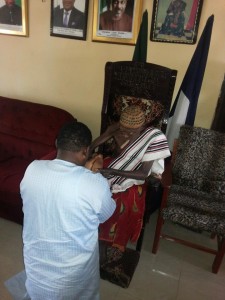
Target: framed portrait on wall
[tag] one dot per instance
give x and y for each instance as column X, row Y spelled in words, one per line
column 175, row 21
column 116, row 21
column 69, row 18
column 13, row 17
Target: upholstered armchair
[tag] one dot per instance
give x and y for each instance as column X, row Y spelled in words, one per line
column 194, row 196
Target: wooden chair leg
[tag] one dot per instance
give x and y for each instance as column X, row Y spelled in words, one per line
column 219, row 256
column 213, row 235
column 146, row 218
column 160, row 221
column 140, row 240
column 158, row 230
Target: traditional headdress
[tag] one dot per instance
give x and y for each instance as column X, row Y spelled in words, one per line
column 132, row 117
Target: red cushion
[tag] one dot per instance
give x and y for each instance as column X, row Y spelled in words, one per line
column 11, row 174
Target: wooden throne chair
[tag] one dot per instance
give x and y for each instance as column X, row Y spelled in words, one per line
column 151, row 86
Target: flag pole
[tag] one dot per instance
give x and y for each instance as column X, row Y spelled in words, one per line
column 140, row 51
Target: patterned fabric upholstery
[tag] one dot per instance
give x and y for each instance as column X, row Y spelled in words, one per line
column 197, row 195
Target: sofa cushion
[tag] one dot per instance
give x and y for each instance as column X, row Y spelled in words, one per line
column 13, row 147
column 11, row 173
column 31, row 121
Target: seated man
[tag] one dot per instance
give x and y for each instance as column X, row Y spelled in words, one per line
column 138, row 152
column 175, row 19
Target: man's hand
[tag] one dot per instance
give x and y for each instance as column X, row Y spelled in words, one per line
column 95, row 163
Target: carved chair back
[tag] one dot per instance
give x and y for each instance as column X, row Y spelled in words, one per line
column 145, row 84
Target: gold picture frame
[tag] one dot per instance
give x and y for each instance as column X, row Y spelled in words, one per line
column 17, row 24
column 104, row 29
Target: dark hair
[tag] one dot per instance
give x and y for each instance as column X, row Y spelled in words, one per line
column 73, row 137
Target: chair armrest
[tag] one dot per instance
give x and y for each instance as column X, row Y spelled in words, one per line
column 166, row 180
column 167, row 174
column 166, row 183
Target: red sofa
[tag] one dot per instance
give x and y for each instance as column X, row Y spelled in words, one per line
column 27, row 131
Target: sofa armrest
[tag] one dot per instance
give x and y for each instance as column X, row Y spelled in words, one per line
column 49, row 156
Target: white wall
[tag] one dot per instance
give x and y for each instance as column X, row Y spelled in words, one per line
column 69, row 73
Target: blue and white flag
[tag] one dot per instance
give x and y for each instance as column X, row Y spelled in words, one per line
column 184, row 107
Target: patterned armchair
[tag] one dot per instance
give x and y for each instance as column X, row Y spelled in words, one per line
column 195, row 198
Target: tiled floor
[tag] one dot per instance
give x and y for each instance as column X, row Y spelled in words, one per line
column 175, row 273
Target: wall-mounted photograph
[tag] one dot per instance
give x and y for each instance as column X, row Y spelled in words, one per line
column 13, row 17
column 116, row 21
column 69, row 18
column 175, row 21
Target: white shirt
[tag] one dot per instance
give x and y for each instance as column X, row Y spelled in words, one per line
column 63, row 205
